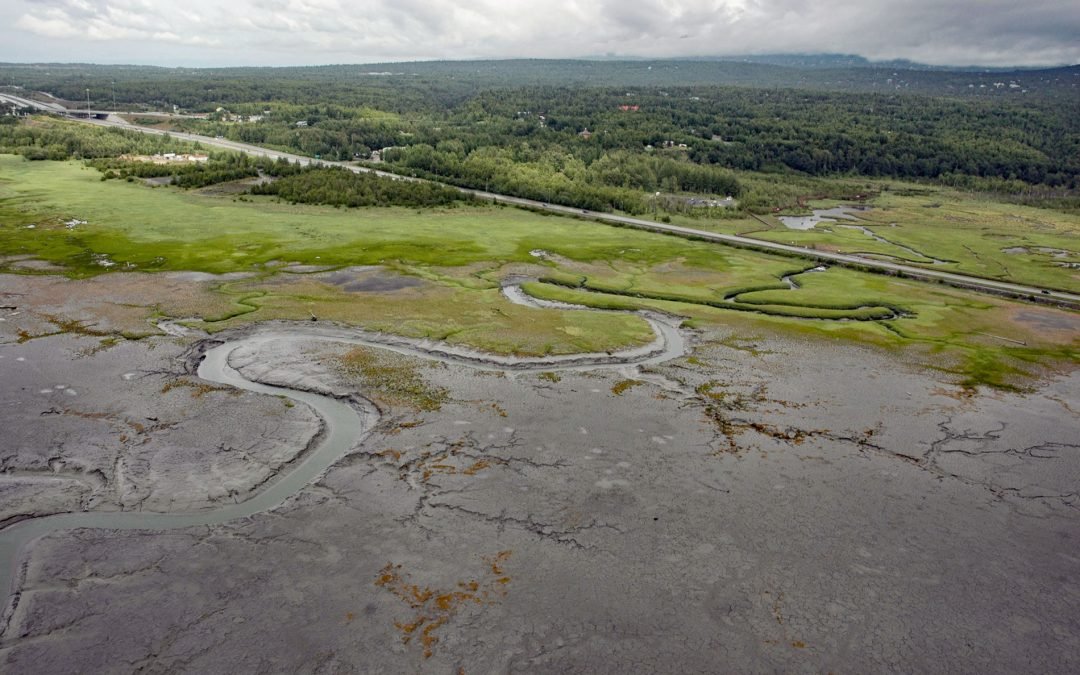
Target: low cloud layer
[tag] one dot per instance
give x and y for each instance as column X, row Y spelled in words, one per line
column 297, row 32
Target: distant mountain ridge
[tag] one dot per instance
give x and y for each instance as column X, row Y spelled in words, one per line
column 812, row 60
column 450, row 81
column 800, row 60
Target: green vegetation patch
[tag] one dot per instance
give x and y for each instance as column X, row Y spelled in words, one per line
column 478, row 318
column 337, row 186
column 52, row 139
column 965, row 233
column 95, row 229
column 773, row 299
column 976, row 339
column 392, row 379
column 622, row 386
column 131, row 226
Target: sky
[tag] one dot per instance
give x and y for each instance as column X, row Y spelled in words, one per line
column 309, row 32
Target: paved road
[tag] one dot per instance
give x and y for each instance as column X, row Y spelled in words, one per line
column 1034, row 293
column 55, row 108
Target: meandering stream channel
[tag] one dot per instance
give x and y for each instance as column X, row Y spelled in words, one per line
column 344, row 426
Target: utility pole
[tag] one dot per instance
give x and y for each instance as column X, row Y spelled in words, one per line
column 88, row 103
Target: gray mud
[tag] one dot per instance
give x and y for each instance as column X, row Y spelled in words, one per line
column 129, row 429
column 1051, row 321
column 742, row 508
column 368, row 280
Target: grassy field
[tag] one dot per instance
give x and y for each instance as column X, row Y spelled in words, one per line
column 920, row 223
column 455, row 258
column 164, row 228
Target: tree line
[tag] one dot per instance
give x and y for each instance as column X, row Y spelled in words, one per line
column 507, row 128
column 220, row 167
column 59, row 140
column 337, row 186
column 696, row 137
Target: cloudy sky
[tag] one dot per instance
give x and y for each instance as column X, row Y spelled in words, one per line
column 299, row 32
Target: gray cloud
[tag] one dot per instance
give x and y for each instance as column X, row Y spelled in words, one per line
column 281, row 32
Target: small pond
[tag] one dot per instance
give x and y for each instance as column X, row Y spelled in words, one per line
column 821, row 216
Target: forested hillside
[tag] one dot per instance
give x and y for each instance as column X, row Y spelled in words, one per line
column 434, row 84
column 611, row 135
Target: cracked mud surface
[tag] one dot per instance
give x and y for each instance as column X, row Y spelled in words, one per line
column 741, row 510
column 128, row 429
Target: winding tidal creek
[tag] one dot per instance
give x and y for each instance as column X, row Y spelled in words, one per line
column 344, row 425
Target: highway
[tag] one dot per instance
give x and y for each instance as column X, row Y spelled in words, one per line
column 1006, row 288
column 54, row 108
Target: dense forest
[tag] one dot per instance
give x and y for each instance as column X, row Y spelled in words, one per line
column 432, row 85
column 336, row 186
column 615, row 135
column 58, row 141
column 220, row 167
column 610, row 148
column 110, row 151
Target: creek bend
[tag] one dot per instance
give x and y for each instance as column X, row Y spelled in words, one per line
column 344, row 426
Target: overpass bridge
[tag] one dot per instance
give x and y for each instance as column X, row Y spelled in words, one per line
column 54, row 108
column 87, row 114
column 30, row 103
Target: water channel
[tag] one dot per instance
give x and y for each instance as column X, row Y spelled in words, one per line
column 344, row 426
column 846, row 213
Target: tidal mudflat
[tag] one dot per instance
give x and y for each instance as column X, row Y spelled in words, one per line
column 741, row 502
column 643, row 373
column 388, row 440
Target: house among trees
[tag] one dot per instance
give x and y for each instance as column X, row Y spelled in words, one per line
column 168, row 158
column 586, row 134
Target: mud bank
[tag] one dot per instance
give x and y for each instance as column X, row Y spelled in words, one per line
column 741, row 507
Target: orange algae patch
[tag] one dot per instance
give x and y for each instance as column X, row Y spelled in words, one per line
column 476, row 467
column 497, row 560
column 434, row 608
column 446, row 462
